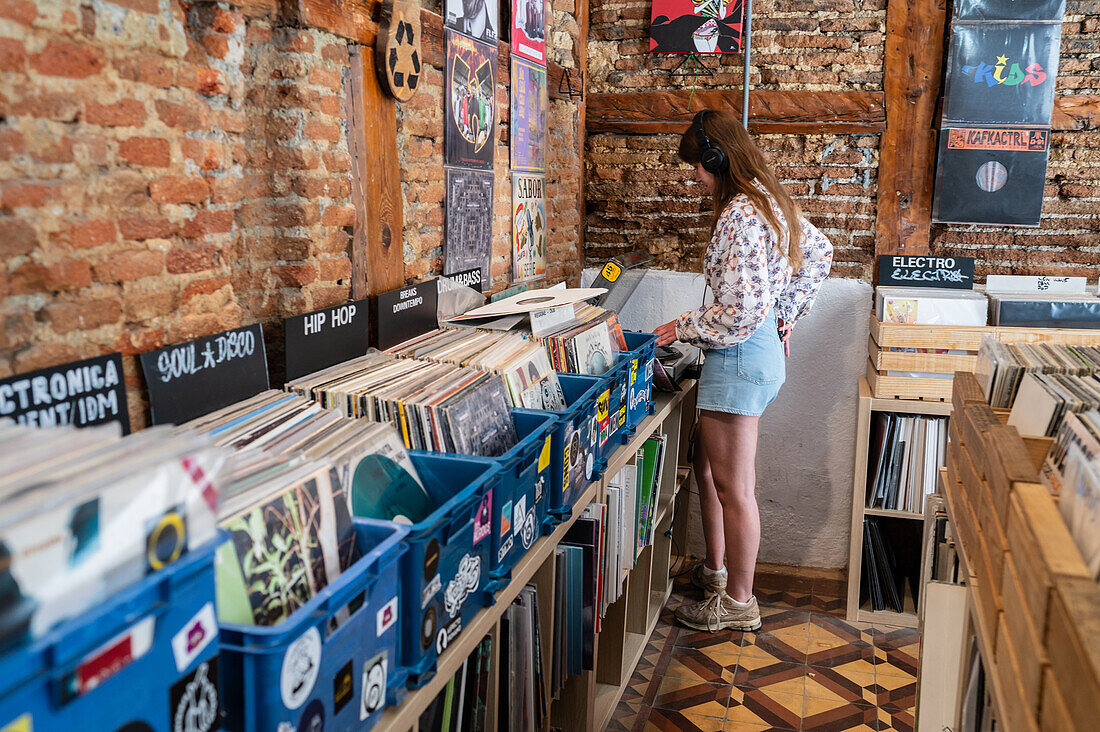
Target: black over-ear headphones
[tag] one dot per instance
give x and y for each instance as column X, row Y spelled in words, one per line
column 711, row 157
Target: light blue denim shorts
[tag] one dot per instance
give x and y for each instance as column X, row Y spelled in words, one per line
column 745, row 378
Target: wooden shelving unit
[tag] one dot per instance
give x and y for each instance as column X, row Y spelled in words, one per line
column 587, row 701
column 869, row 404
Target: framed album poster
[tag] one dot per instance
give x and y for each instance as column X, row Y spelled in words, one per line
column 468, row 221
column 470, row 102
column 530, row 110
column 529, row 225
column 478, row 19
column 529, row 30
column 686, row 26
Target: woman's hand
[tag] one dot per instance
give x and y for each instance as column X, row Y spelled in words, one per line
column 785, row 336
column 665, row 333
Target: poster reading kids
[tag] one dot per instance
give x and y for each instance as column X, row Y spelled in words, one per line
column 528, row 227
column 470, row 102
column 696, row 26
column 529, row 30
column 530, row 108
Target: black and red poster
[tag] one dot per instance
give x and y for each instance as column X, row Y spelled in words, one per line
column 470, row 106
column 1002, row 69
column 686, row 26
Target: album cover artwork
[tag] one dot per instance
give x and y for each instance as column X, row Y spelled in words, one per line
column 977, row 10
column 687, row 26
column 529, row 227
column 480, row 422
column 1002, row 73
column 991, row 176
column 469, row 221
column 529, row 30
column 530, row 111
column 282, row 553
column 476, row 18
column 468, row 139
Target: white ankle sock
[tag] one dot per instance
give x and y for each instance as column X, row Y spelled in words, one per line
column 741, row 605
column 712, row 573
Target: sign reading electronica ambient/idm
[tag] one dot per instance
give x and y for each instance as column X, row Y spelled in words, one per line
column 79, row 394
column 198, row 377
column 910, row 271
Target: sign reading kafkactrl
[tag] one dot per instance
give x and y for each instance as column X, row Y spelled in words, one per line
column 911, row 271
column 81, row 394
column 195, row 378
column 999, row 96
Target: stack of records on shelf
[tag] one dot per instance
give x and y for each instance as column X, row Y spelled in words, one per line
column 1072, row 471
column 532, row 383
column 587, row 343
column 942, row 552
column 882, row 581
column 434, row 406
column 906, row 453
column 1043, row 401
column 462, row 706
column 524, row 704
column 568, row 653
column 930, row 306
column 1001, row 367
column 301, row 473
column 85, row 514
column 1042, row 302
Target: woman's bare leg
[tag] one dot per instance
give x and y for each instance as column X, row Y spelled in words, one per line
column 729, row 441
column 710, row 508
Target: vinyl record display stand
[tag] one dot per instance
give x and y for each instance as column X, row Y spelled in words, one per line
column 587, row 700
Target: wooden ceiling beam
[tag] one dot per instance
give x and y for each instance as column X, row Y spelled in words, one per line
column 801, row 112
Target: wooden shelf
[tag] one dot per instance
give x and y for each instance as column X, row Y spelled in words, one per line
column 582, row 700
column 909, row 515
column 906, row 619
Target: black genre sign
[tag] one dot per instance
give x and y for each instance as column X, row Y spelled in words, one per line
column 323, row 338
column 956, row 273
column 81, row 394
column 467, row 278
column 195, row 378
column 405, row 313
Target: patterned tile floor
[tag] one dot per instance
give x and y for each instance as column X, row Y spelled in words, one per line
column 806, row 669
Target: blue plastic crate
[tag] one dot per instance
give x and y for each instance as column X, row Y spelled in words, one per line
column 643, row 349
column 573, row 447
column 141, row 660
column 520, row 499
column 445, row 573
column 304, row 673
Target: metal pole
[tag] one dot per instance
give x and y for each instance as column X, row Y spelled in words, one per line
column 746, row 36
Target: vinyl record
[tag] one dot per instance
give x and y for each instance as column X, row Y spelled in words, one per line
column 526, row 302
column 382, row 489
column 994, row 182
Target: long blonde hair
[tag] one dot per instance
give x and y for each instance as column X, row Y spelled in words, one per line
column 746, row 165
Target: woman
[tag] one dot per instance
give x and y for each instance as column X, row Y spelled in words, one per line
column 762, row 285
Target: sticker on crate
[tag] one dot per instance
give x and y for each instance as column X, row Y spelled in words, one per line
column 194, row 699
column 343, row 687
column 301, row 664
column 427, row 628
column 528, row 534
column 23, row 723
column 374, row 686
column 195, row 636
column 540, row 488
column 313, row 717
column 518, row 513
column 483, row 522
column 448, row 634
column 107, row 660
column 387, row 616
column 465, row 581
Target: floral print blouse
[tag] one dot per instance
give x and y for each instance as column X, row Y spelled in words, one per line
column 749, row 276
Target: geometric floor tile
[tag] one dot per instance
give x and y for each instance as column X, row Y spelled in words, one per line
column 806, row 669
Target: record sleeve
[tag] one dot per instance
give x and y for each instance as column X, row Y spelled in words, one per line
column 468, row 135
column 530, row 110
column 988, row 175
column 690, row 26
column 978, row 10
column 469, row 221
column 478, row 19
column 1002, row 73
column 525, row 302
column 529, row 30
column 529, row 227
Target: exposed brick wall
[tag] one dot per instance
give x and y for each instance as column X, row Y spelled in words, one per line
column 169, row 170
column 635, row 191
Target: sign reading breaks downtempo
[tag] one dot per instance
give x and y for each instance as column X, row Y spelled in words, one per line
column 195, row 378
column 80, row 394
column 324, row 338
column 405, row 313
column 911, row 271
